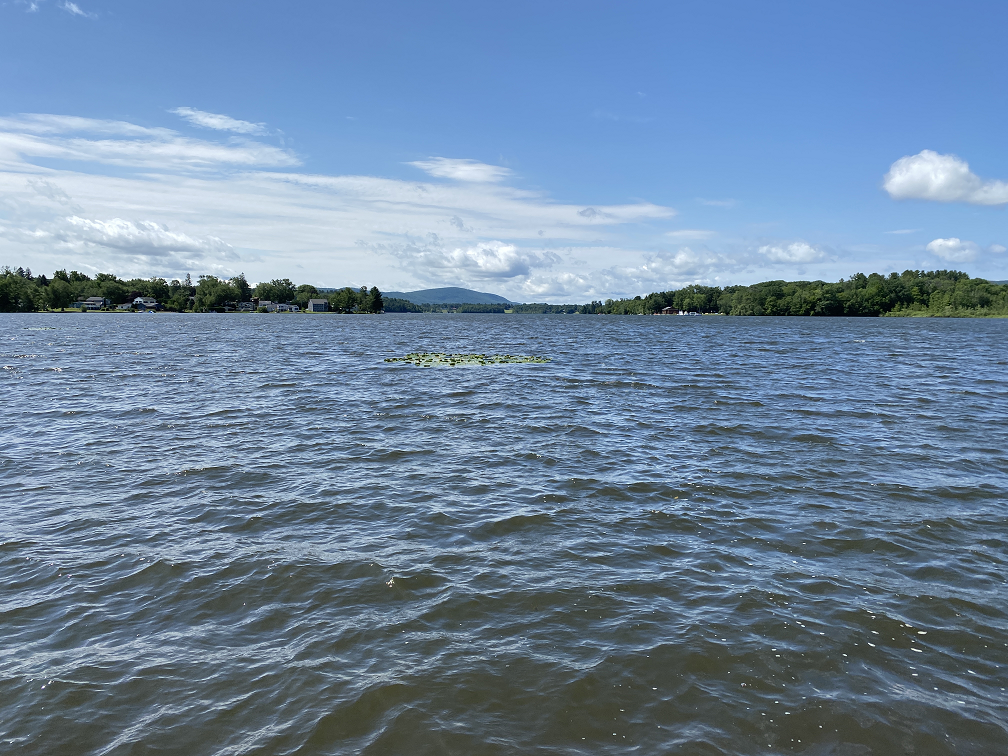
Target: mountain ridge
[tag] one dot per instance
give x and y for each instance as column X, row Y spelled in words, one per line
column 447, row 295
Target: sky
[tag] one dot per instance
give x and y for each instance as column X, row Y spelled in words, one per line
column 544, row 151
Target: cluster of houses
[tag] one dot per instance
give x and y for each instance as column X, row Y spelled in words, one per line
column 100, row 303
column 674, row 311
column 314, row 305
column 149, row 303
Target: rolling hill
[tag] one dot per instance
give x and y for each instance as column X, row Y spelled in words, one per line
column 447, row 295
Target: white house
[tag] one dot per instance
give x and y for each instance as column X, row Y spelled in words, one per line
column 145, row 303
column 317, row 305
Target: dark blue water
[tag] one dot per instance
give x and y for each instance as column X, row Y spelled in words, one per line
column 250, row 535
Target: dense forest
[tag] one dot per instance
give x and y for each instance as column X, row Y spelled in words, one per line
column 20, row 291
column 945, row 293
column 940, row 292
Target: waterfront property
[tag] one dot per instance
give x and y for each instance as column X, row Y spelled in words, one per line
column 145, row 303
column 91, row 303
column 317, row 305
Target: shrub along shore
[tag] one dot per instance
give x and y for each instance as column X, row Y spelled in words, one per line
column 939, row 293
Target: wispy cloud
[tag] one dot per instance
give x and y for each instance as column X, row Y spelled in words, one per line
column 717, row 202
column 462, row 169
column 124, row 144
column 220, row 122
column 941, row 178
column 71, row 8
column 903, row 231
column 690, row 234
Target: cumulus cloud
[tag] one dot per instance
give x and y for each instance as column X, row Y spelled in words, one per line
column 140, row 244
column 941, row 178
column 795, row 252
column 433, row 260
column 640, row 274
column 958, row 250
column 219, row 122
column 462, row 169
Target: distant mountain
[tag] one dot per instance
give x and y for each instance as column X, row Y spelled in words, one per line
column 448, row 295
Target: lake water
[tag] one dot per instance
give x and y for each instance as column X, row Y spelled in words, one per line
column 248, row 534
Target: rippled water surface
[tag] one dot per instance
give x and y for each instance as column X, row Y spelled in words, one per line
column 242, row 534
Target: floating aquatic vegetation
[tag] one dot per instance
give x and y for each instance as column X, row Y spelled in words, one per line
column 443, row 359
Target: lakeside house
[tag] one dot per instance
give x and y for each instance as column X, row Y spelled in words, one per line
column 92, row 303
column 317, row 305
column 668, row 311
column 145, row 303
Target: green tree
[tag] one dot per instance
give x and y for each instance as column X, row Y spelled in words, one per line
column 59, row 294
column 212, row 294
column 303, row 293
column 242, row 287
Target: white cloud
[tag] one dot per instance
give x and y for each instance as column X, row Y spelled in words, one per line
column 47, row 123
column 124, row 144
column 219, row 122
column 953, row 249
column 903, row 231
column 941, row 178
column 997, row 249
column 690, row 234
column 795, row 252
column 432, row 260
column 462, row 170
column 717, row 203
column 71, row 8
column 141, row 246
column 219, row 206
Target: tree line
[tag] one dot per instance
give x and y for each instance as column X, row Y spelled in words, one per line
column 913, row 292
column 20, row 291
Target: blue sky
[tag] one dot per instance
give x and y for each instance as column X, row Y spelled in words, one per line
column 544, row 151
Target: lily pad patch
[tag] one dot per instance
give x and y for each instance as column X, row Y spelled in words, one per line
column 443, row 359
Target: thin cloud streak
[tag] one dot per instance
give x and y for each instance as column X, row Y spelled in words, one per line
column 219, row 122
